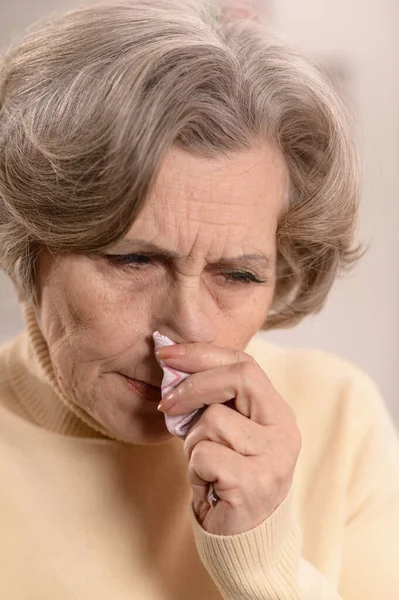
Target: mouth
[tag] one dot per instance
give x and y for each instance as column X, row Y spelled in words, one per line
column 145, row 390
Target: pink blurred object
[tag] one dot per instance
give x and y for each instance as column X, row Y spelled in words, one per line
column 255, row 10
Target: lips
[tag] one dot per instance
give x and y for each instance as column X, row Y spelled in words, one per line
column 145, row 390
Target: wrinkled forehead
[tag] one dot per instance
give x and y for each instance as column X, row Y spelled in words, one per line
column 214, row 209
column 235, row 190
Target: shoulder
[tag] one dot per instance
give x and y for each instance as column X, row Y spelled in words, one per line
column 305, row 365
column 318, row 384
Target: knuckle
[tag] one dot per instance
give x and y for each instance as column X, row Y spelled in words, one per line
column 277, row 477
column 237, row 356
column 246, row 370
column 212, row 417
column 249, row 358
column 199, row 452
column 264, row 483
column 193, row 384
column 213, row 413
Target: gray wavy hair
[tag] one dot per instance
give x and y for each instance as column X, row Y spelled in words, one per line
column 91, row 101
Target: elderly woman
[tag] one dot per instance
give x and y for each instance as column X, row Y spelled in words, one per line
column 168, row 167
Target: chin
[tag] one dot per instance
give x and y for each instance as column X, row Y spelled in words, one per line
column 122, row 413
column 143, row 433
column 135, row 426
column 125, row 415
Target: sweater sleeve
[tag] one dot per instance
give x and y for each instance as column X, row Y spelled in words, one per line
column 265, row 563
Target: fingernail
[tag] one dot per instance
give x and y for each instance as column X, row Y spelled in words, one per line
column 170, row 351
column 168, row 401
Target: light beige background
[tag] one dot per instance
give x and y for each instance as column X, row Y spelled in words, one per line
column 360, row 321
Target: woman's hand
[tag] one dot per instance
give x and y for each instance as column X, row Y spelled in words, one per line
column 249, row 454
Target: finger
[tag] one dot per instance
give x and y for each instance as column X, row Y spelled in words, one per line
column 227, row 470
column 246, row 383
column 245, row 486
column 277, row 447
column 191, row 358
column 224, row 426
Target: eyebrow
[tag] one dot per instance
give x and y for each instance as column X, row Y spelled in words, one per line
column 125, row 246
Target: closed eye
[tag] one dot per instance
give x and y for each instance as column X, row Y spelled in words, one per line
column 241, row 277
column 139, row 261
column 129, row 259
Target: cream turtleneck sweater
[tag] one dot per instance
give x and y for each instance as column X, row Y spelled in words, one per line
column 85, row 517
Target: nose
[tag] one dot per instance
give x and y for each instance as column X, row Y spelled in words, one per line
column 187, row 313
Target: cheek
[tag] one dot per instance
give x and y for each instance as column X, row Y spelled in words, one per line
column 87, row 317
column 103, row 326
column 246, row 319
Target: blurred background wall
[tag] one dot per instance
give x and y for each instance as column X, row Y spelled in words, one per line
column 357, row 43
